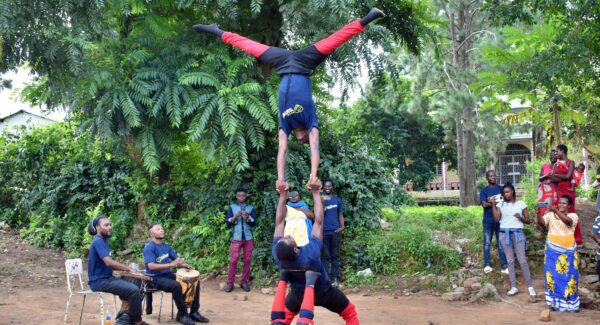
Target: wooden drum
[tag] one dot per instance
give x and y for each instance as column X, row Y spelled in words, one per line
column 188, row 279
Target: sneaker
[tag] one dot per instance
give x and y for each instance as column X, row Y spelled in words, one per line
column 228, row 287
column 532, row 292
column 245, row 286
column 184, row 319
column 504, row 271
column 487, row 269
column 197, row 317
column 513, row 291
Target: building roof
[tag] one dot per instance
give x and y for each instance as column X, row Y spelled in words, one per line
column 22, row 111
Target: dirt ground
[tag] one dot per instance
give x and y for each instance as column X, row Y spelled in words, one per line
column 33, row 291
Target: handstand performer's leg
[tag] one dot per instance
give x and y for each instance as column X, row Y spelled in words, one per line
column 308, row 302
column 278, row 309
column 256, row 49
column 335, row 40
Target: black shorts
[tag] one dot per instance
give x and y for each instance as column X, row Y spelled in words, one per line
column 331, row 298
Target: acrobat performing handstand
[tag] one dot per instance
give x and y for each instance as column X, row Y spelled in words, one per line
column 301, row 267
column 296, row 106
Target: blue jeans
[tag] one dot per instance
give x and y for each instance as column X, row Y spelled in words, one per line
column 331, row 254
column 488, row 231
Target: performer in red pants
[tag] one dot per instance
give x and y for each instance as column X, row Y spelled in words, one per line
column 301, row 267
column 296, row 106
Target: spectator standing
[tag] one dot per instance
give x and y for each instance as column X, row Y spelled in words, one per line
column 512, row 214
column 561, row 260
column 562, row 174
column 332, row 228
column 241, row 219
column 295, row 201
column 491, row 227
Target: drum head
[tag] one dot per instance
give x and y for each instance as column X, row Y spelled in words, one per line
column 186, row 274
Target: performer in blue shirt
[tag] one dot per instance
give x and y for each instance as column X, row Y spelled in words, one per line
column 160, row 259
column 297, row 110
column 302, row 268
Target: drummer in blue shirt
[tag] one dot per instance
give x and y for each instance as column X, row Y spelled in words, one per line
column 101, row 266
column 160, row 260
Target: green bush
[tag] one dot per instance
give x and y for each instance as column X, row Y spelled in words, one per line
column 65, row 179
column 390, row 215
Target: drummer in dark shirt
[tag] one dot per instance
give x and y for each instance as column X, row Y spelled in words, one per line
column 160, row 260
column 101, row 266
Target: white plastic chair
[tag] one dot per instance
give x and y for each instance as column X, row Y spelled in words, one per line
column 74, row 270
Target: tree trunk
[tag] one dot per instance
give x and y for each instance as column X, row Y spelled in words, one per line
column 460, row 31
column 556, row 122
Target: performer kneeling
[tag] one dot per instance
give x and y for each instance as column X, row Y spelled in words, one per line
column 160, row 259
column 302, row 268
column 101, row 266
column 296, row 106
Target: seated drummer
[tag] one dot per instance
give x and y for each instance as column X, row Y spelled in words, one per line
column 160, row 259
column 101, row 266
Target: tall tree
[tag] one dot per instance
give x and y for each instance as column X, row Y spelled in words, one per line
column 549, row 61
column 442, row 77
column 135, row 69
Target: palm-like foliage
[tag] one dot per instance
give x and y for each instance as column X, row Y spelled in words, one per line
column 227, row 104
column 135, row 70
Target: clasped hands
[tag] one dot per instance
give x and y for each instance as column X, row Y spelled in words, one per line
column 314, row 184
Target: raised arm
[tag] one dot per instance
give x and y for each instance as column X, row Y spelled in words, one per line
column 563, row 217
column 319, row 212
column 280, row 214
column 496, row 212
column 540, row 217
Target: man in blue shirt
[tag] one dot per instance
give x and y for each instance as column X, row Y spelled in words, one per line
column 301, row 267
column 491, row 226
column 333, row 226
column 101, row 266
column 160, row 259
column 241, row 219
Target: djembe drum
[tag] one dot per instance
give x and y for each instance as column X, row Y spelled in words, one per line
column 188, row 279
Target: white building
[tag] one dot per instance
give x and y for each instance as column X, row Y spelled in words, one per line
column 23, row 118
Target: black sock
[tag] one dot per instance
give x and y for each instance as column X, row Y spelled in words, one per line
column 372, row 15
column 212, row 28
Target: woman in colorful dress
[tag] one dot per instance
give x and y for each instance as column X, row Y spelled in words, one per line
column 561, row 261
column 512, row 214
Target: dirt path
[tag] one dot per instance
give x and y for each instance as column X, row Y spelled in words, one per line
column 33, row 291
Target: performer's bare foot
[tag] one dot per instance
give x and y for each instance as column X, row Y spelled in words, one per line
column 281, row 186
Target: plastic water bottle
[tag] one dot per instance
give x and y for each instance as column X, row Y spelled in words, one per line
column 108, row 320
